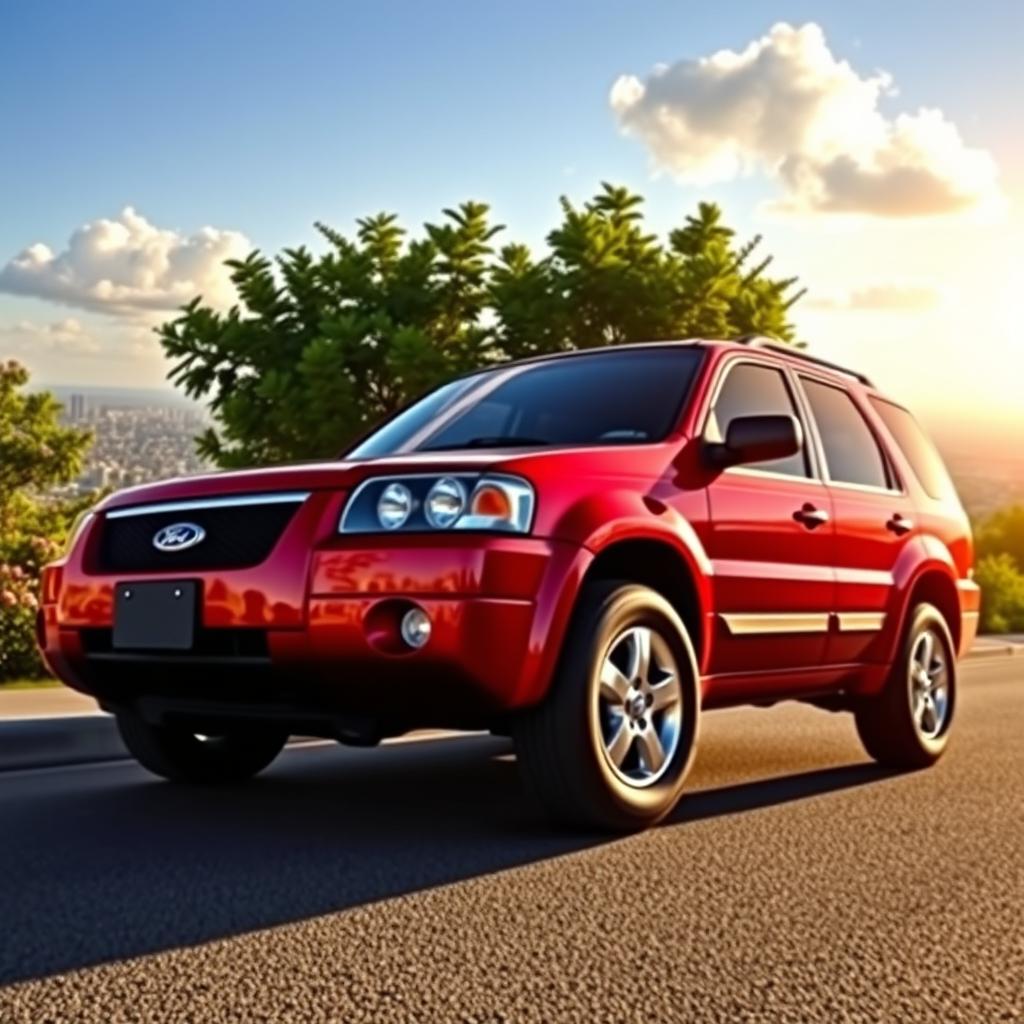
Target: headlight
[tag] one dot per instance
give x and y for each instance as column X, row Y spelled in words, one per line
column 394, row 506
column 455, row 501
column 445, row 503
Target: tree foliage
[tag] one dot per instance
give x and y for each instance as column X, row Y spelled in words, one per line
column 1002, row 594
column 320, row 347
column 999, row 543
column 1003, row 532
column 36, row 452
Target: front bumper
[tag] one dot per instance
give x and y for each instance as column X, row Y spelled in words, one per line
column 305, row 636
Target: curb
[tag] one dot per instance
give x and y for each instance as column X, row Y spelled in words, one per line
column 47, row 742
column 996, row 650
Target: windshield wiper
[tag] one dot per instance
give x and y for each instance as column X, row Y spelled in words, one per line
column 496, row 441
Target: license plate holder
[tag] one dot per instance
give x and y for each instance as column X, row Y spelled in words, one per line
column 155, row 615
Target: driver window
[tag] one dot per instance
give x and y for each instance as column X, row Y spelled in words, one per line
column 752, row 390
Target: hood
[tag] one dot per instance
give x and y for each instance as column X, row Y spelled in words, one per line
column 305, row 476
column 342, row 476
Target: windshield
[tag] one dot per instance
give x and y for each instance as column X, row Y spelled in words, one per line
column 621, row 397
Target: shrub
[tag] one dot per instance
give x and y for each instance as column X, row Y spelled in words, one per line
column 18, row 604
column 1002, row 594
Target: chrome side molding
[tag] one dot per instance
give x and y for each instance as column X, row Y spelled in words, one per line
column 773, row 623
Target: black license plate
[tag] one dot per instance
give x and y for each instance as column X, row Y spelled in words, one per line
column 155, row 616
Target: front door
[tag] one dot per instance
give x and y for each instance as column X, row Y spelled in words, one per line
column 769, row 536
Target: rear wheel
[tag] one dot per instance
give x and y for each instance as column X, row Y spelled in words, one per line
column 181, row 755
column 907, row 725
column 612, row 743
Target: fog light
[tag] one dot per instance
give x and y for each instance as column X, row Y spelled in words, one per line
column 415, row 627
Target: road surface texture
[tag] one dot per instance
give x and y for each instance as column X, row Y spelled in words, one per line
column 796, row 883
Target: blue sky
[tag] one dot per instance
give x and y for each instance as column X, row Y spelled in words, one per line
column 259, row 118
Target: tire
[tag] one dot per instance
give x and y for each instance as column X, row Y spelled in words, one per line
column 574, row 757
column 908, row 724
column 177, row 754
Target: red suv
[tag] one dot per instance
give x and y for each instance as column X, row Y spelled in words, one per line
column 584, row 551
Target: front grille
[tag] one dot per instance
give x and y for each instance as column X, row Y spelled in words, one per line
column 238, row 533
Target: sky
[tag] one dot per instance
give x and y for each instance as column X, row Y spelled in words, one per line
column 877, row 147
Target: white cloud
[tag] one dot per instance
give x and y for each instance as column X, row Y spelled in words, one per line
column 785, row 106
column 126, row 266
column 895, row 297
column 61, row 338
column 57, row 343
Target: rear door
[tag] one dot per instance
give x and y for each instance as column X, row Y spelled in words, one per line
column 769, row 536
column 874, row 518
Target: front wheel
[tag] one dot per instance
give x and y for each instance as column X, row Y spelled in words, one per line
column 613, row 742
column 181, row 755
column 907, row 725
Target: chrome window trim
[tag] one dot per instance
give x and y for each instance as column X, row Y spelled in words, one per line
column 770, row 475
column 240, row 501
column 840, row 485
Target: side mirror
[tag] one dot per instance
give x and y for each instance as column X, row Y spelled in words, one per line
column 756, row 439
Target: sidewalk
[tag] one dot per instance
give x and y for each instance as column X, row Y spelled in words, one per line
column 1004, row 643
column 59, row 700
column 47, row 700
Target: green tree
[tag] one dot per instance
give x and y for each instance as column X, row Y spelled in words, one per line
column 1003, row 533
column 321, row 347
column 1002, row 594
column 36, row 453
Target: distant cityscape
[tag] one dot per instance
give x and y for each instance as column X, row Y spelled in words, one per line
column 138, row 437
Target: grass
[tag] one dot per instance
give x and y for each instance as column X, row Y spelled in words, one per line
column 28, row 684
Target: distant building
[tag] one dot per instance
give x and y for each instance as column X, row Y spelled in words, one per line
column 77, row 409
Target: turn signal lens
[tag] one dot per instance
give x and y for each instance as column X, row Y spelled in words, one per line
column 499, row 502
column 491, row 501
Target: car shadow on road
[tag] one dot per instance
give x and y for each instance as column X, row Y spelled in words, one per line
column 104, row 864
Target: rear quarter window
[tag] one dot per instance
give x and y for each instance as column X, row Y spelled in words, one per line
column 917, row 449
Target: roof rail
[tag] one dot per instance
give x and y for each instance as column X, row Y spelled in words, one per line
column 760, row 341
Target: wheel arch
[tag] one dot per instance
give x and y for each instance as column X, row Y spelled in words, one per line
column 933, row 584
column 666, row 566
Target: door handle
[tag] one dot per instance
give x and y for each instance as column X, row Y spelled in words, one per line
column 811, row 517
column 899, row 524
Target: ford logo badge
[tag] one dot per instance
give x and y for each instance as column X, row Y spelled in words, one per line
column 178, row 537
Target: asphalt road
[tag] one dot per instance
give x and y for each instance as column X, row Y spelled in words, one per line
column 413, row 883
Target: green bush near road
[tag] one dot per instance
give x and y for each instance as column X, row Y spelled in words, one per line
column 36, row 452
column 1002, row 594
column 999, row 546
column 1002, row 533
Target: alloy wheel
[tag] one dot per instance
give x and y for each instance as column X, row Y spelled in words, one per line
column 929, row 685
column 640, row 705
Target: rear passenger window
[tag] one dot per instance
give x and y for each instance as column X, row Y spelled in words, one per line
column 752, row 390
column 852, row 455
column 919, row 451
